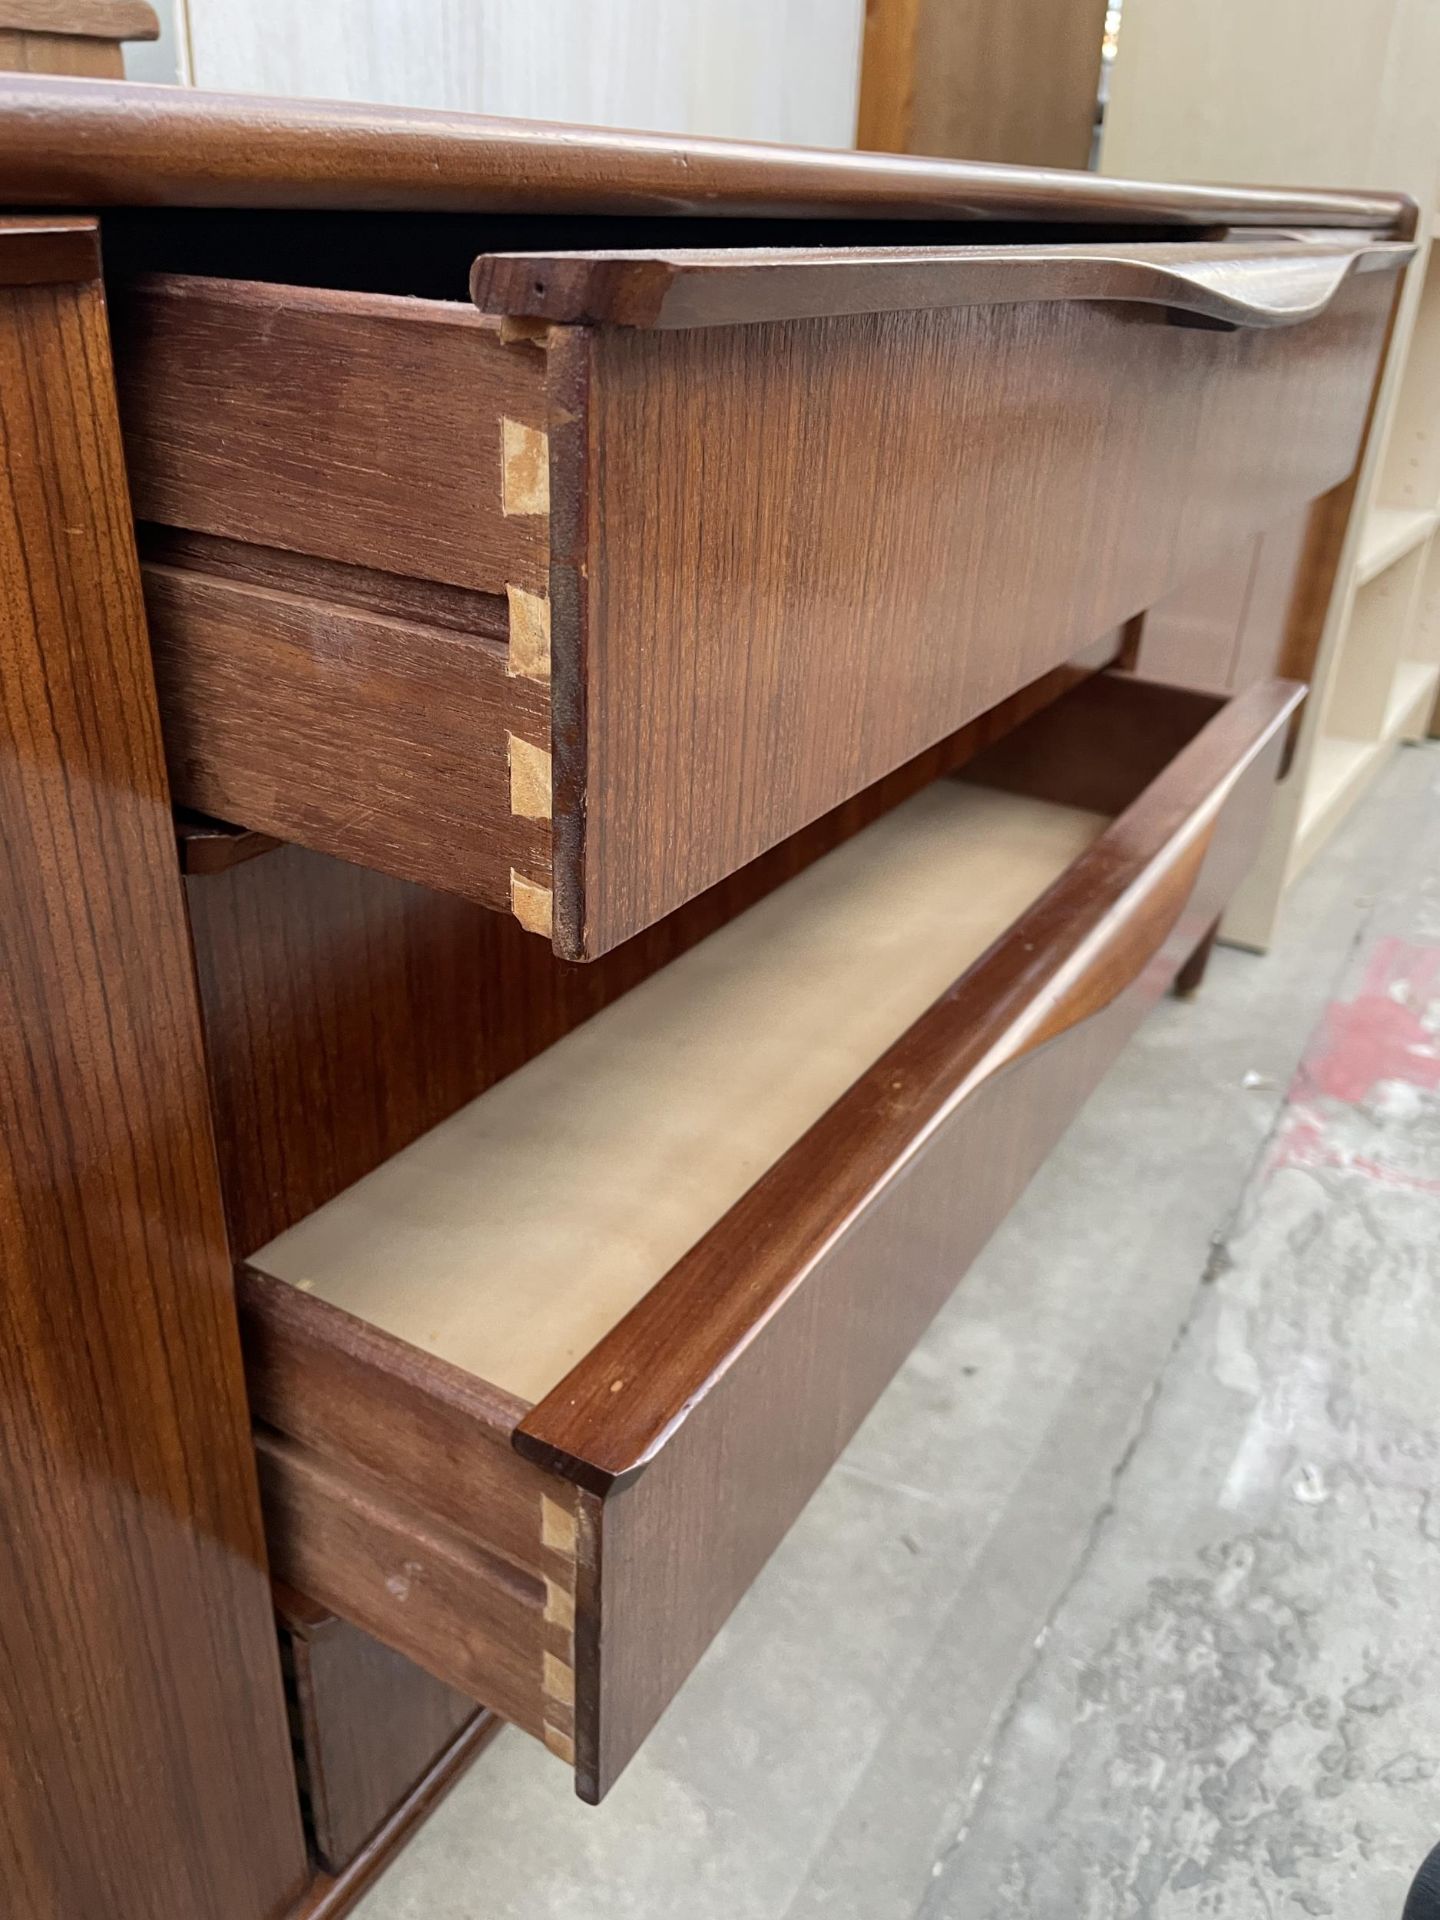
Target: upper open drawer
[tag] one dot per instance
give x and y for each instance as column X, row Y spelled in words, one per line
column 575, row 605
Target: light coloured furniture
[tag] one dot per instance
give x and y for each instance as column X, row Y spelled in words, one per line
column 1339, row 91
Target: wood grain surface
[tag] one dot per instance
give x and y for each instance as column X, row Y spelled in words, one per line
column 735, row 621
column 439, row 1438
column 144, row 1758
column 153, row 146
column 358, row 427
column 433, row 1595
column 363, row 733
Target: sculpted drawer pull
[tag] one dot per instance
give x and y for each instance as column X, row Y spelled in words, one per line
column 1277, row 282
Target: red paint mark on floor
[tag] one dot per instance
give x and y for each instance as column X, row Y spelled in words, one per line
column 1388, row 1033
column 1301, row 1141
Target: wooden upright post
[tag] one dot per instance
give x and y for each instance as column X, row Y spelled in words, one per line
column 145, row 1768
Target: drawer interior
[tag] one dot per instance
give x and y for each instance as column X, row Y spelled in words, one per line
column 511, row 1237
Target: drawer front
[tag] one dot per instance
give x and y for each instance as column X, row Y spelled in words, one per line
column 695, row 582
column 640, row 1497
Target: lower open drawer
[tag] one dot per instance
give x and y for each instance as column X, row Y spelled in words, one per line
column 539, row 1396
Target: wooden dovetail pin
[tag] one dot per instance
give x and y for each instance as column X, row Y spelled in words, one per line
column 559, row 1539
column 525, row 467
column 532, row 905
column 529, row 656
column 529, row 779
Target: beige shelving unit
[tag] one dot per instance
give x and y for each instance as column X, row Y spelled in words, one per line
column 1322, row 93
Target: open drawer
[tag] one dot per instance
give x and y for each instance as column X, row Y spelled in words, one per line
column 539, row 1396
column 575, row 605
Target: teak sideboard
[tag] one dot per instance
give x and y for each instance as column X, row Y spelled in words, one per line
column 603, row 737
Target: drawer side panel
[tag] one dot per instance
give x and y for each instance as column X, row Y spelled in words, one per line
column 384, row 432
column 390, row 742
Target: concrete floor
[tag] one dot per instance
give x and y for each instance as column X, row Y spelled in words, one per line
column 1121, row 1606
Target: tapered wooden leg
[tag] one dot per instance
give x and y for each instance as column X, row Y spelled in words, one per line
column 145, row 1771
column 1190, row 976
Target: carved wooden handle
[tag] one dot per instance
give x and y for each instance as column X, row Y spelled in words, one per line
column 1274, row 282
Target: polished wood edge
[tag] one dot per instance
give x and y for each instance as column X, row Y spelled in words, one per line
column 332, row 1895
column 1032, row 985
column 274, row 1310
column 86, row 19
column 116, row 144
column 1256, row 283
column 40, row 249
column 208, row 846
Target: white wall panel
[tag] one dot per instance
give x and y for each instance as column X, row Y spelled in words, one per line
column 757, row 69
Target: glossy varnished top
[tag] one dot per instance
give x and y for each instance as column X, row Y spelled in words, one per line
column 96, row 143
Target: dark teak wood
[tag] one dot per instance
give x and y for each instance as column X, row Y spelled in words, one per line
column 144, row 1758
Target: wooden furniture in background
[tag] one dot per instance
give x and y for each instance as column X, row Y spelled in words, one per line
column 1011, row 80
column 81, row 37
column 1333, row 91
column 522, row 604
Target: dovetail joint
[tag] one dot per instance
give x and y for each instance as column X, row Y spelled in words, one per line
column 558, row 1531
column 559, row 1605
column 532, row 905
column 529, row 648
column 559, row 1539
column 524, row 468
column 529, row 778
column 559, row 1680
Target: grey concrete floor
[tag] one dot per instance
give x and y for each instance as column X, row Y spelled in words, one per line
column 1121, row 1606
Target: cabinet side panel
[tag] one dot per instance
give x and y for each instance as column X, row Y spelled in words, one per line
column 144, row 1758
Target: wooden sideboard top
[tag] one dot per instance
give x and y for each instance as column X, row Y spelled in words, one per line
column 96, row 143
